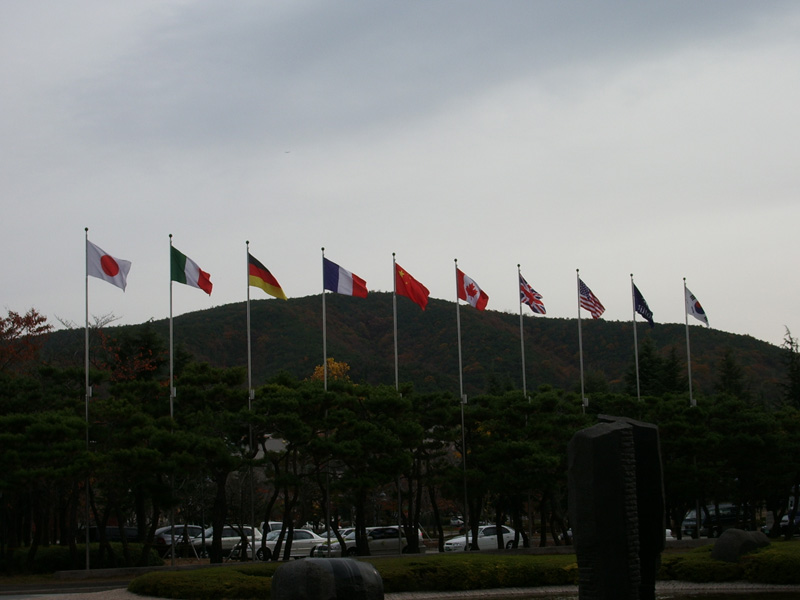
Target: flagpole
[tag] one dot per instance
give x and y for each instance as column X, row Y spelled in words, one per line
column 394, row 312
column 325, row 386
column 522, row 337
column 635, row 341
column 249, row 347
column 171, row 339
column 462, row 402
column 250, row 397
column 688, row 349
column 580, row 340
column 458, row 323
column 324, row 330
column 87, row 389
column 171, row 402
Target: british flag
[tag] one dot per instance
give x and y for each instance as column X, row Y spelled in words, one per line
column 529, row 296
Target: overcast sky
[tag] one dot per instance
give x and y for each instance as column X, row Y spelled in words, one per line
column 659, row 139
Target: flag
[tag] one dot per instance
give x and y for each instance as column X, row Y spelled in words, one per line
column 406, row 285
column 589, row 301
column 640, row 306
column 470, row 291
column 184, row 270
column 260, row 277
column 342, row 281
column 529, row 296
column 693, row 307
column 106, row 267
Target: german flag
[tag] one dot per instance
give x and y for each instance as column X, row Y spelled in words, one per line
column 260, row 277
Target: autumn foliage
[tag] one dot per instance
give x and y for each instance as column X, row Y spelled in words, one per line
column 336, row 371
column 21, row 338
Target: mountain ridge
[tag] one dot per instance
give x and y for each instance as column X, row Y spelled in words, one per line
column 288, row 336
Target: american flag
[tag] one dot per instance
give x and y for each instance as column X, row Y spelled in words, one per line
column 589, row 301
column 529, row 296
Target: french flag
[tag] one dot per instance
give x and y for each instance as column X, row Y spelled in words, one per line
column 342, row 281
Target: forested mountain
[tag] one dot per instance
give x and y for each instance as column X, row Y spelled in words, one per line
column 287, row 336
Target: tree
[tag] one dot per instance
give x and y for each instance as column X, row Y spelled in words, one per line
column 791, row 388
column 731, row 377
column 21, row 338
column 337, row 371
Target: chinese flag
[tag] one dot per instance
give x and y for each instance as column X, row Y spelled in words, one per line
column 407, row 286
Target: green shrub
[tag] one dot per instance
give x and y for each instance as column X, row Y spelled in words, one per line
column 252, row 581
column 474, row 571
column 50, row 559
column 697, row 566
column 777, row 563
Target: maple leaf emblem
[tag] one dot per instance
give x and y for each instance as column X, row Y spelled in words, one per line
column 471, row 289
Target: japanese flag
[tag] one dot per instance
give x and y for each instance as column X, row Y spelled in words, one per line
column 106, row 267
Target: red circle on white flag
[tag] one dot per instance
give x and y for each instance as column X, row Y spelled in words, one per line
column 110, row 266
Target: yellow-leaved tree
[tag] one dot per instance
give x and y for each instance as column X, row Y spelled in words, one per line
column 336, row 371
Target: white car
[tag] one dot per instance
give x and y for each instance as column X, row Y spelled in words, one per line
column 487, row 539
column 303, row 543
column 381, row 540
column 231, row 536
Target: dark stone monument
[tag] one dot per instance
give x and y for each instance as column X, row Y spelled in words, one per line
column 734, row 542
column 326, row 579
column 616, row 506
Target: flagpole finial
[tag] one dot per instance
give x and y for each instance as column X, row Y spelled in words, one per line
column 247, row 242
column 518, row 265
column 392, row 254
column 86, row 229
column 170, row 236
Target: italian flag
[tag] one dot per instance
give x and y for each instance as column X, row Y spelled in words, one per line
column 184, row 270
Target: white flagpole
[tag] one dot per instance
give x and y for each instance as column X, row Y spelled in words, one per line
column 250, row 397
column 580, row 340
column 458, row 323
column 462, row 401
column 635, row 341
column 88, row 388
column 324, row 330
column 688, row 349
column 325, row 386
column 249, row 347
column 171, row 400
column 394, row 312
column 171, row 343
column 521, row 335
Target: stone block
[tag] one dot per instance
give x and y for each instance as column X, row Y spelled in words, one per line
column 733, row 543
column 327, row 579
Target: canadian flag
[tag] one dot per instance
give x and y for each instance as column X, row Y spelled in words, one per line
column 470, row 291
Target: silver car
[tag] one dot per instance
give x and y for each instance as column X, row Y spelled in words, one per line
column 231, row 536
column 381, row 540
column 487, row 539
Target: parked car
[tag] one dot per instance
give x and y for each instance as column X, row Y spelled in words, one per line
column 267, row 526
column 712, row 524
column 487, row 539
column 183, row 534
column 784, row 524
column 112, row 533
column 381, row 540
column 231, row 535
column 303, row 543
